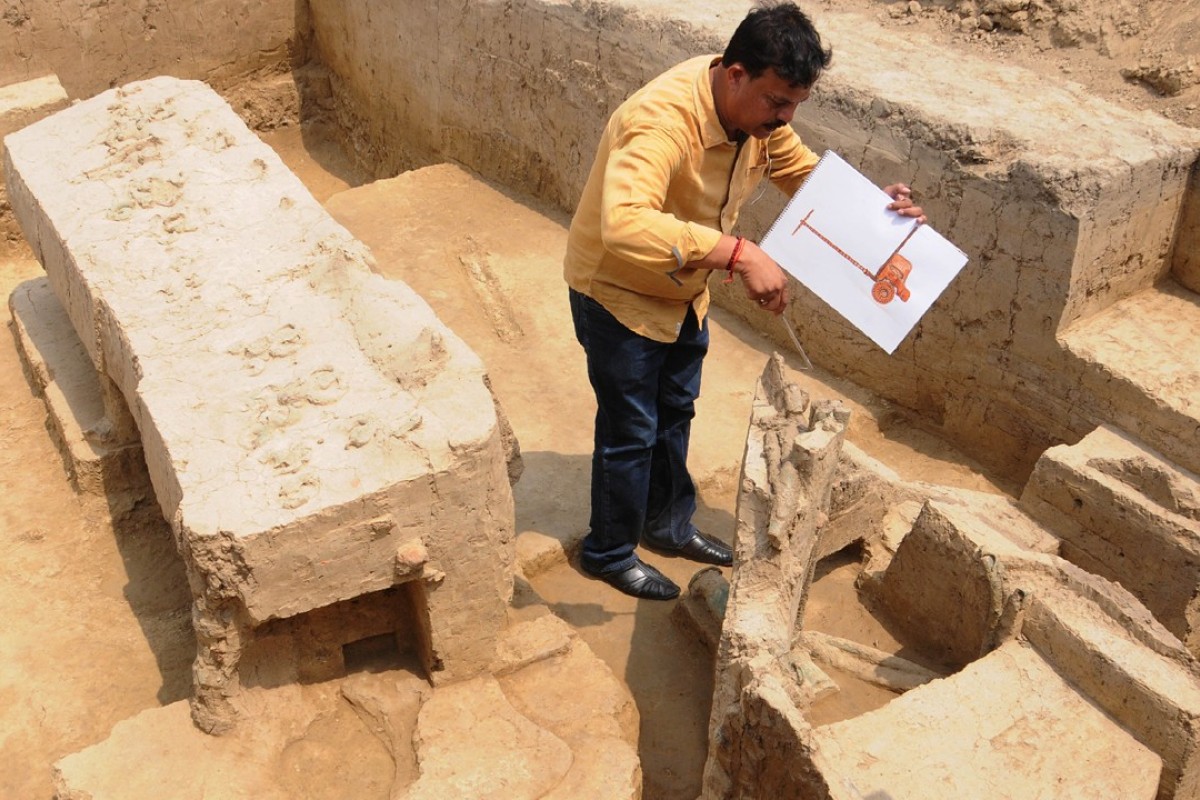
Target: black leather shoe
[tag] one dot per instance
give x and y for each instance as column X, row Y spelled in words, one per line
column 640, row 580
column 700, row 548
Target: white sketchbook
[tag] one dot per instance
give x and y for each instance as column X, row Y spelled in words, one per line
column 879, row 270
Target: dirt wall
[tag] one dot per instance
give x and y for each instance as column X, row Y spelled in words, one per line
column 93, row 46
column 518, row 91
column 1064, row 203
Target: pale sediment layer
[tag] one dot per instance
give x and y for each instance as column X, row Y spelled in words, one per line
column 92, row 48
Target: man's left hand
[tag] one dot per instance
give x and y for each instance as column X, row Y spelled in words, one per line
column 902, row 202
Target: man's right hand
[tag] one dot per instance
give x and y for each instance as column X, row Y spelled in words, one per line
column 764, row 280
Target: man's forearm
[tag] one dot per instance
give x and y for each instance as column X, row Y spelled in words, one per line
column 765, row 281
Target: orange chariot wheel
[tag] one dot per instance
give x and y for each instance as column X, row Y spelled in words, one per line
column 883, row 292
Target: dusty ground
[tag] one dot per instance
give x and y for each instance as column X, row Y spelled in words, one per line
column 1137, row 53
column 93, row 598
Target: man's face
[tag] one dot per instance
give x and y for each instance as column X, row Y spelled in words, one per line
column 759, row 106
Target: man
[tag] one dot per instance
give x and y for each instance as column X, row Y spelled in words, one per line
column 674, row 166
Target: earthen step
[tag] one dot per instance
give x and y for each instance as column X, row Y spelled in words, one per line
column 61, row 372
column 1030, row 735
column 1153, row 692
column 26, row 102
column 1125, row 513
column 1140, row 358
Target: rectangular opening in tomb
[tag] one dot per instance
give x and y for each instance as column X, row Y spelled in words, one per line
column 366, row 633
column 375, row 654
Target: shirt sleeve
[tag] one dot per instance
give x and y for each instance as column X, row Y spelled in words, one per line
column 791, row 160
column 633, row 226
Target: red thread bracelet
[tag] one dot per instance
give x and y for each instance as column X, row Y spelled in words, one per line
column 733, row 259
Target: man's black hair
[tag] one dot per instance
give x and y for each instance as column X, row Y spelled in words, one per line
column 779, row 36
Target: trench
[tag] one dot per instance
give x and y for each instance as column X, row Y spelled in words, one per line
column 129, row 604
column 666, row 666
column 135, row 587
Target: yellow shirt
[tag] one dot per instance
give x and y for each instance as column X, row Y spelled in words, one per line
column 666, row 183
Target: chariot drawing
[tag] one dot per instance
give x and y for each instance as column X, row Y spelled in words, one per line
column 889, row 280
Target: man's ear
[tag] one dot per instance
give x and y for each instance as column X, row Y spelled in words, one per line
column 737, row 77
column 736, row 73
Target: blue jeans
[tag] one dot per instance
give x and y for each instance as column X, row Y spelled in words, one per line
column 645, row 400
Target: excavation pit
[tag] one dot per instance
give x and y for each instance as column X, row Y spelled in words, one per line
column 1034, row 323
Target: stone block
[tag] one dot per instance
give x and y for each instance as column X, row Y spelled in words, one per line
column 303, row 419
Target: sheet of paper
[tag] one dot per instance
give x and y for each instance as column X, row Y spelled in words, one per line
column 879, row 270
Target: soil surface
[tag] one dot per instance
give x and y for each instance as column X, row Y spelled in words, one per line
column 93, row 596
column 1136, row 53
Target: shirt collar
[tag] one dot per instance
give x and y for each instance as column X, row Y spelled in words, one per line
column 712, row 133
